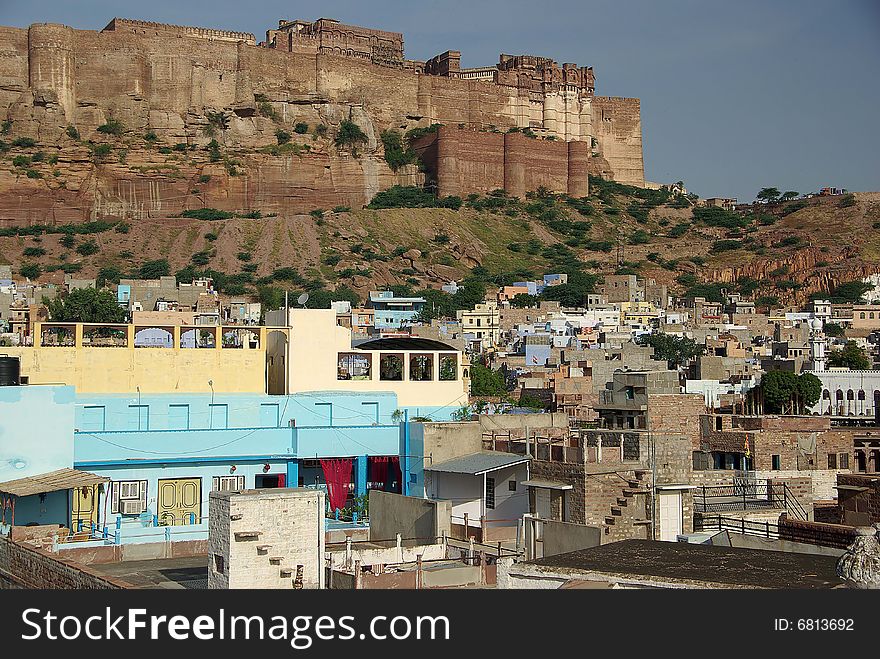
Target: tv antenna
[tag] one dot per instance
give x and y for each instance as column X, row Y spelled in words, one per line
column 302, row 299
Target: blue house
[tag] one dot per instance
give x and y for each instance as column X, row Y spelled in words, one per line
column 391, row 312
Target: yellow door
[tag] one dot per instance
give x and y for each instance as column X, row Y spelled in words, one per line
column 84, row 508
column 180, row 501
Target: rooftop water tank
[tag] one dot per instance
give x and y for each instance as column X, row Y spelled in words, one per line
column 10, row 371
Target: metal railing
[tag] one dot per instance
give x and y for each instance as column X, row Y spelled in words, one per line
column 813, row 533
column 748, row 495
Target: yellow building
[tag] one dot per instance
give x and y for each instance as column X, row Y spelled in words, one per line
column 638, row 313
column 97, row 358
column 320, row 356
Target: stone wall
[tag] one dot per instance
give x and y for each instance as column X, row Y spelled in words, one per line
column 266, row 539
column 617, row 126
column 463, row 161
column 28, row 567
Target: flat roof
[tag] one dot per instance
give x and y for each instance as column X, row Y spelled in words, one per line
column 478, row 463
column 62, row 479
column 695, row 564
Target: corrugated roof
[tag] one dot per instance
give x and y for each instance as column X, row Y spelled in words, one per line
column 478, row 463
column 62, row 479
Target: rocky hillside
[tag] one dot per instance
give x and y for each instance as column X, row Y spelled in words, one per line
column 138, row 206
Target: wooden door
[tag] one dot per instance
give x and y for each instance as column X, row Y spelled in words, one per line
column 84, row 508
column 180, row 501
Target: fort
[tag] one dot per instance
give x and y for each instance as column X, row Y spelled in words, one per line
column 169, row 80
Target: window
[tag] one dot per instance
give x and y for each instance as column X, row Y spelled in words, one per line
column 843, row 461
column 227, row 483
column 490, row 493
column 832, row 460
column 128, row 497
column 719, row 423
column 511, row 485
column 421, row 368
column 391, row 367
column 219, row 565
column 775, row 462
column 353, row 366
column 449, row 367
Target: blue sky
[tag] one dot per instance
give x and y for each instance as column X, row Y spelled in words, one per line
column 735, row 95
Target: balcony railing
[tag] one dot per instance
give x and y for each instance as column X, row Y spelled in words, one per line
column 747, row 495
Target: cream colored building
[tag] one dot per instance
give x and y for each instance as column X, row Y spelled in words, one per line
column 483, row 321
column 320, row 356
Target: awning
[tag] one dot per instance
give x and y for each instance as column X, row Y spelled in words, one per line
column 549, row 485
column 478, row 463
column 63, row 479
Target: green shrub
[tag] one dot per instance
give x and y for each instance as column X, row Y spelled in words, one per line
column 679, row 230
column 266, row 110
column 350, row 136
column 788, row 241
column 282, row 136
column 68, row 241
column 410, row 196
column 150, row 136
column 35, row 252
column 726, row 245
column 88, row 247
column 180, row 146
column 122, row 227
column 396, row 154
column 207, row 214
column 317, row 213
column 24, row 142
column 341, row 209
column 30, row 270
column 213, row 150
column 846, row 201
column 112, row 127
column 204, row 178
column 640, row 237
column 794, row 207
column 320, row 130
column 301, row 128
column 211, row 236
column 201, row 258
column 718, row 217
column 101, row 151
column 21, row 161
column 165, row 150
column 244, row 256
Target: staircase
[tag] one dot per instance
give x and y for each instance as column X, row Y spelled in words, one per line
column 627, row 518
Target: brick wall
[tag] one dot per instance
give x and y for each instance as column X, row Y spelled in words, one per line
column 28, row 567
column 677, row 414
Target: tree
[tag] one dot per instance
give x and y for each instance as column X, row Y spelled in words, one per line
column 834, row 330
column 154, row 269
column 851, row 291
column 788, row 195
column 486, row 382
column 676, row 350
column 768, row 194
column 521, row 300
column 788, row 393
column 86, row 305
column 851, row 357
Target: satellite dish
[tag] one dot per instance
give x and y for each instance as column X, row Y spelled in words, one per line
column 302, row 299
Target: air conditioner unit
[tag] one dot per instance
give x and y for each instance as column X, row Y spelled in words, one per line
column 131, row 507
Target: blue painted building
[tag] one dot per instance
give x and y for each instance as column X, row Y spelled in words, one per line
column 391, row 311
column 164, row 453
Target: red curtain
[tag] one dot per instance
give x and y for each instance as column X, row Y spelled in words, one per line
column 379, row 471
column 337, row 475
